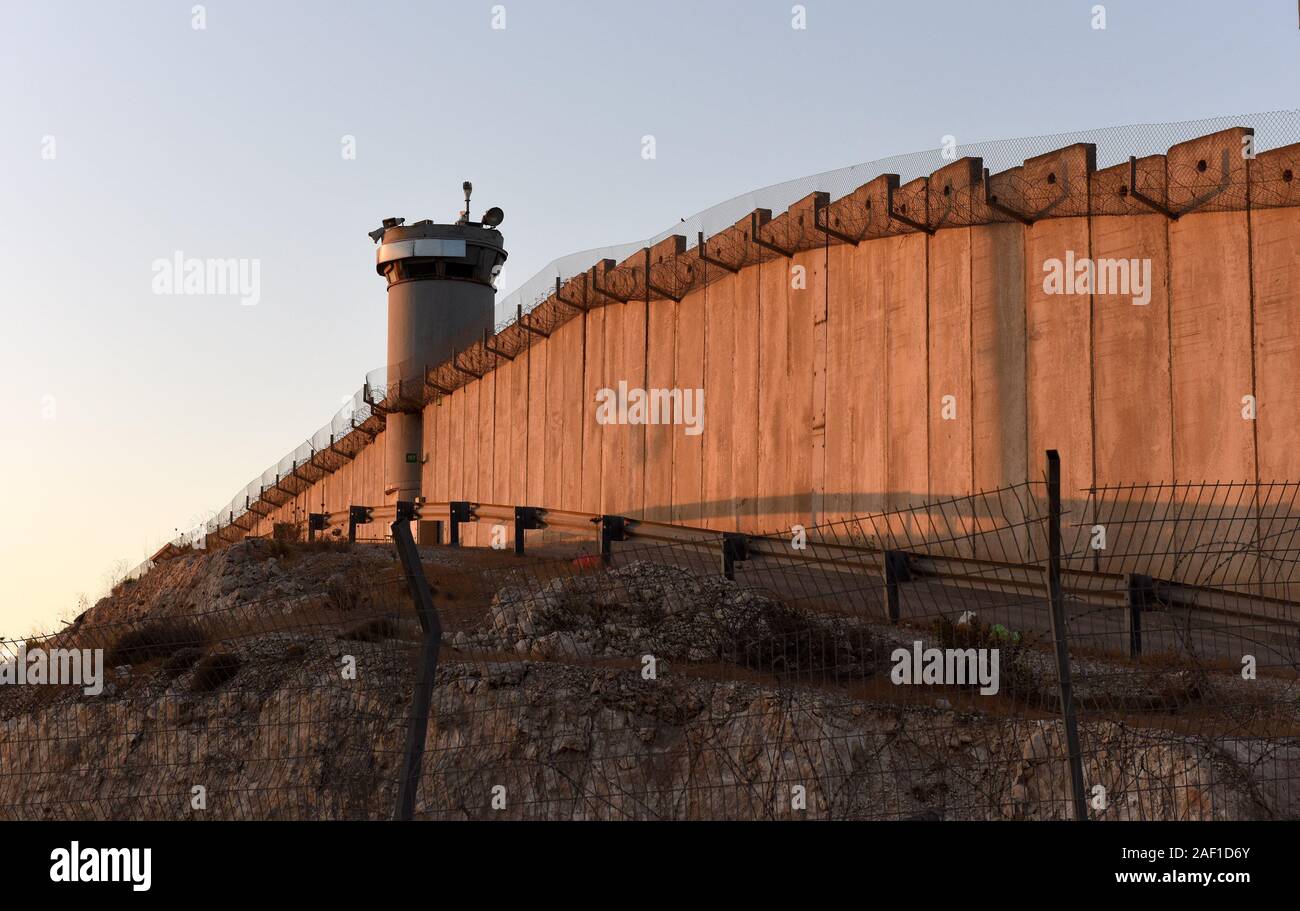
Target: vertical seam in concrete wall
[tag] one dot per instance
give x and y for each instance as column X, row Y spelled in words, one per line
column 885, row 423
column 1169, row 333
column 1025, row 272
column 928, row 391
column 528, row 414
column 582, row 413
column 1092, row 380
column 819, row 471
column 703, row 377
column 490, row 458
column 970, row 360
column 645, row 372
column 756, row 494
column 672, row 443
column 1254, row 378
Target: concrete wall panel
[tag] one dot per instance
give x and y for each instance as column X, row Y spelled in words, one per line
column 535, row 487
column 845, row 297
column 868, row 377
column 776, row 394
column 744, row 411
column 1058, row 357
column 949, row 361
column 805, row 306
column 688, row 450
column 661, row 366
column 569, row 344
column 907, row 384
column 593, row 433
column 1131, row 353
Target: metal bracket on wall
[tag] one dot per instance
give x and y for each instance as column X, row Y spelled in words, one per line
column 991, row 200
column 434, row 386
column 527, row 518
column 455, row 362
column 704, row 256
column 460, row 511
column 820, row 206
column 735, row 549
column 357, row 515
column 560, row 297
column 487, row 346
column 947, row 208
column 595, row 281
column 1225, row 180
column 612, row 528
column 898, row 216
column 757, row 237
column 651, row 286
column 1142, row 197
column 526, row 323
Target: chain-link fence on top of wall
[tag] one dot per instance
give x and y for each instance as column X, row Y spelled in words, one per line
column 1273, row 130
column 930, row 663
column 351, row 426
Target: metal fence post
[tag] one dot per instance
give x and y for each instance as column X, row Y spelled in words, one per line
column 316, row 521
column 1140, row 589
column 422, row 596
column 526, row 518
column 612, row 528
column 459, row 511
column 1060, row 632
column 357, row 515
column 897, row 570
column 735, row 548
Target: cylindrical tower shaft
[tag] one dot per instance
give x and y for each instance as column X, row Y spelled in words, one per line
column 441, row 299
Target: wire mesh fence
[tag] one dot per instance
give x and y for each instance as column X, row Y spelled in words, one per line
column 1193, row 584
column 1114, row 145
column 282, row 707
column 905, row 665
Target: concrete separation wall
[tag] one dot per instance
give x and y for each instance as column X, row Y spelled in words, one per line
column 897, row 344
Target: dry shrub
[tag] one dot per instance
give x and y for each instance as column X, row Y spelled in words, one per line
column 374, row 630
column 213, row 671
column 154, row 639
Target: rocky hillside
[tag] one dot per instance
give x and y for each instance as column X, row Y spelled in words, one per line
column 229, row 695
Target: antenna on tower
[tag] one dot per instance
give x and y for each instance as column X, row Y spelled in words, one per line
column 468, row 188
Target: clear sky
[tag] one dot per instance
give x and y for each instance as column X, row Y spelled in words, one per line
column 126, row 135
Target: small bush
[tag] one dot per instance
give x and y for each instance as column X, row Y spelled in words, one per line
column 213, row 671
column 182, row 660
column 154, row 639
column 1015, row 669
column 325, row 545
column 343, row 597
column 286, row 532
column 374, row 630
column 276, row 548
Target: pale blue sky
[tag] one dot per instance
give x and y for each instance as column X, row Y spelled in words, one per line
column 225, row 142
